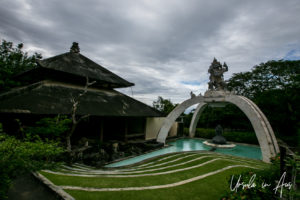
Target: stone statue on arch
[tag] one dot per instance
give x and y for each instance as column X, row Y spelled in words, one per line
column 216, row 78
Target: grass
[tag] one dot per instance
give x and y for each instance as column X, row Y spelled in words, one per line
column 208, row 188
column 211, row 187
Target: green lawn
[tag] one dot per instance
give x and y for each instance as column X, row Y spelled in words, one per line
column 156, row 172
column 209, row 188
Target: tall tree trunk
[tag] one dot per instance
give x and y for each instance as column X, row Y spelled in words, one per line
column 69, row 146
column 75, row 102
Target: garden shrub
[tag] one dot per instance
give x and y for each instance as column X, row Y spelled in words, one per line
column 205, row 133
column 186, row 132
column 234, row 136
column 50, row 128
column 18, row 157
column 268, row 176
column 243, row 137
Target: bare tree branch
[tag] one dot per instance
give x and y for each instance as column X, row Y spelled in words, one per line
column 82, row 118
column 87, row 84
column 75, row 102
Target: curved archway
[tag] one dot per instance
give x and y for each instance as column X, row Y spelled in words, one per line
column 196, row 117
column 170, row 119
column 261, row 125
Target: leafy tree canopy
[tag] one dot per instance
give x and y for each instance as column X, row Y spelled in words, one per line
column 275, row 87
column 282, row 74
column 164, row 105
column 51, row 128
column 13, row 61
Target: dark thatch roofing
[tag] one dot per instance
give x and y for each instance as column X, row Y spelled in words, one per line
column 76, row 65
column 49, row 97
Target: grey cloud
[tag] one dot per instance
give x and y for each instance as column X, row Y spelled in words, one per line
column 158, row 44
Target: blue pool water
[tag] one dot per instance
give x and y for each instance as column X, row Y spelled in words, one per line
column 193, row 145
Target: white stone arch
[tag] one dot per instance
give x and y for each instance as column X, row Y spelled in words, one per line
column 261, row 125
column 196, row 117
column 170, row 119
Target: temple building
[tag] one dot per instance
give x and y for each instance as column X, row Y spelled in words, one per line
column 52, row 84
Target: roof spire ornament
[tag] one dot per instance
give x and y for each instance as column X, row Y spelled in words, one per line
column 75, row 48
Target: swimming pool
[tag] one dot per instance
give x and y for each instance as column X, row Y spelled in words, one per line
column 193, row 145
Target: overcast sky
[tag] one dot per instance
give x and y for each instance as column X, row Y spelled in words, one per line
column 163, row 46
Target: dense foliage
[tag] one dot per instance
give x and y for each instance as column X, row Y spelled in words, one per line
column 233, row 136
column 22, row 156
column 272, row 75
column 229, row 117
column 275, row 87
column 164, row 105
column 51, row 128
column 13, row 61
column 28, row 152
column 255, row 182
column 257, row 192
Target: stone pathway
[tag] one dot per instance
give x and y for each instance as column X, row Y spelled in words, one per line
column 27, row 187
column 83, row 168
column 163, row 163
column 136, row 172
column 164, row 158
column 136, row 175
column 155, row 186
column 140, row 175
column 88, row 171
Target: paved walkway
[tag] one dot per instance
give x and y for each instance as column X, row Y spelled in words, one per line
column 115, row 173
column 155, row 186
column 137, row 172
column 27, row 187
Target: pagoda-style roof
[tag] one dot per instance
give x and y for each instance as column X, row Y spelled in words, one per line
column 48, row 97
column 73, row 67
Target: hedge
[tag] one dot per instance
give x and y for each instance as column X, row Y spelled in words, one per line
column 234, row 136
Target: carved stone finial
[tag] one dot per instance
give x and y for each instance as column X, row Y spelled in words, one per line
column 192, row 95
column 216, row 79
column 75, row 48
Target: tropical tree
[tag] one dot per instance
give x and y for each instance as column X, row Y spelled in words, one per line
column 75, row 119
column 53, row 128
column 164, row 105
column 275, row 87
column 272, row 75
column 14, row 60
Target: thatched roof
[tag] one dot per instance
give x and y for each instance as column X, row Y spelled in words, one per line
column 74, row 66
column 48, row 97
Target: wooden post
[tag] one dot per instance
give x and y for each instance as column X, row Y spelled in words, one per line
column 282, row 159
column 126, row 129
column 101, row 130
column 145, row 128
